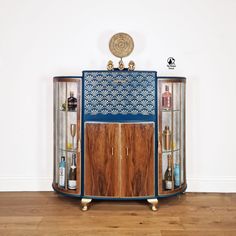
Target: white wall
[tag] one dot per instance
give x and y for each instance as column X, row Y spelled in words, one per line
column 40, row 39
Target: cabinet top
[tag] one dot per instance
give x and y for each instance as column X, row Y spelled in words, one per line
column 75, row 78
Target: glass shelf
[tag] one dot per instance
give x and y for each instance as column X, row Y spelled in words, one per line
column 164, row 110
column 68, row 111
column 169, row 151
column 68, row 150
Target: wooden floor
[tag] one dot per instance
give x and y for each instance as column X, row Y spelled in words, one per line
column 47, row 213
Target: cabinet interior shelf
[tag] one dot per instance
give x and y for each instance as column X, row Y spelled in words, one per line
column 168, row 151
column 68, row 150
column 174, row 110
column 68, row 111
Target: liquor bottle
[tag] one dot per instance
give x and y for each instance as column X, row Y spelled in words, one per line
column 167, row 99
column 62, row 172
column 167, row 138
column 177, row 173
column 72, row 173
column 168, row 174
column 72, row 102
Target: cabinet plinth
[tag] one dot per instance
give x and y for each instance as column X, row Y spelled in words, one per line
column 124, row 131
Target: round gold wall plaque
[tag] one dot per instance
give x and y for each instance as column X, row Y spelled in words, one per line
column 121, row 45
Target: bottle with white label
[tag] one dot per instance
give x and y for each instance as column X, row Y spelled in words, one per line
column 72, row 174
column 168, row 180
column 62, row 172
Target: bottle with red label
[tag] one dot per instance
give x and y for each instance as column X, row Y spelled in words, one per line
column 166, row 99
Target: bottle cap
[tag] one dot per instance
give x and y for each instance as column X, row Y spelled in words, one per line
column 63, row 158
column 167, row 88
column 71, row 93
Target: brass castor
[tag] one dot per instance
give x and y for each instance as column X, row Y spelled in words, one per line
column 154, row 202
column 84, row 203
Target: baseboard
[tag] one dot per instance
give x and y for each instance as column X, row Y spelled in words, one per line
column 225, row 184
column 195, row 184
column 25, row 184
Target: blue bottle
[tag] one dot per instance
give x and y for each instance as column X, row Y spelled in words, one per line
column 177, row 175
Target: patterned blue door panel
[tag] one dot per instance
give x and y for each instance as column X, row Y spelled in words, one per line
column 119, row 93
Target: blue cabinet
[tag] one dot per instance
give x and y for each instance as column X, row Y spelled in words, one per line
column 135, row 123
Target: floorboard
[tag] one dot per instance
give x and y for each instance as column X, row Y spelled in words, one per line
column 48, row 213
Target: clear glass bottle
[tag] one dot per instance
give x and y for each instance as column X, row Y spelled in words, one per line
column 62, row 172
column 166, row 99
column 72, row 173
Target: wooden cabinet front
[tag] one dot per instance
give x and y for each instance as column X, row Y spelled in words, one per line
column 119, row 159
column 137, row 169
column 101, row 160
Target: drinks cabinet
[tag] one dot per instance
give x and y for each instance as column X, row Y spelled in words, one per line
column 119, row 135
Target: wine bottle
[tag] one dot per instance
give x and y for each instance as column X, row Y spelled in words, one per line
column 168, row 174
column 72, row 173
column 177, row 173
column 62, row 172
column 166, row 99
column 72, row 102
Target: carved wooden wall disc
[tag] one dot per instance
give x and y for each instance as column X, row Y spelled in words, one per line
column 121, row 45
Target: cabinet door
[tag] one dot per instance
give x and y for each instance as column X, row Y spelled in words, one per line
column 137, row 166
column 101, row 159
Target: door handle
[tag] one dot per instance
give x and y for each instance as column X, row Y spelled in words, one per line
column 112, row 151
column 127, row 152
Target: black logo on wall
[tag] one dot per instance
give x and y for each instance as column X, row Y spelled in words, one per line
column 171, row 63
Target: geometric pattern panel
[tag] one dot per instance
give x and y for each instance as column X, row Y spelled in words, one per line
column 119, row 92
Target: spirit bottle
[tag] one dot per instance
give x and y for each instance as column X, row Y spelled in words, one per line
column 177, row 173
column 62, row 172
column 168, row 182
column 167, row 138
column 166, row 99
column 72, row 173
column 72, row 102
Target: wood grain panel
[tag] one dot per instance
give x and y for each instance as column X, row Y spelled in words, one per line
column 101, row 167
column 137, row 164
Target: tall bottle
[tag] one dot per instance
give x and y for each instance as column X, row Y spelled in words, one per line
column 72, row 173
column 167, row 99
column 177, row 172
column 72, row 102
column 167, row 138
column 62, row 172
column 168, row 182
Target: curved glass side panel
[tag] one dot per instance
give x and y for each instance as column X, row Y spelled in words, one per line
column 67, row 135
column 171, row 135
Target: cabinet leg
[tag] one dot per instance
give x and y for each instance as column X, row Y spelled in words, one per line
column 84, row 203
column 154, row 203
